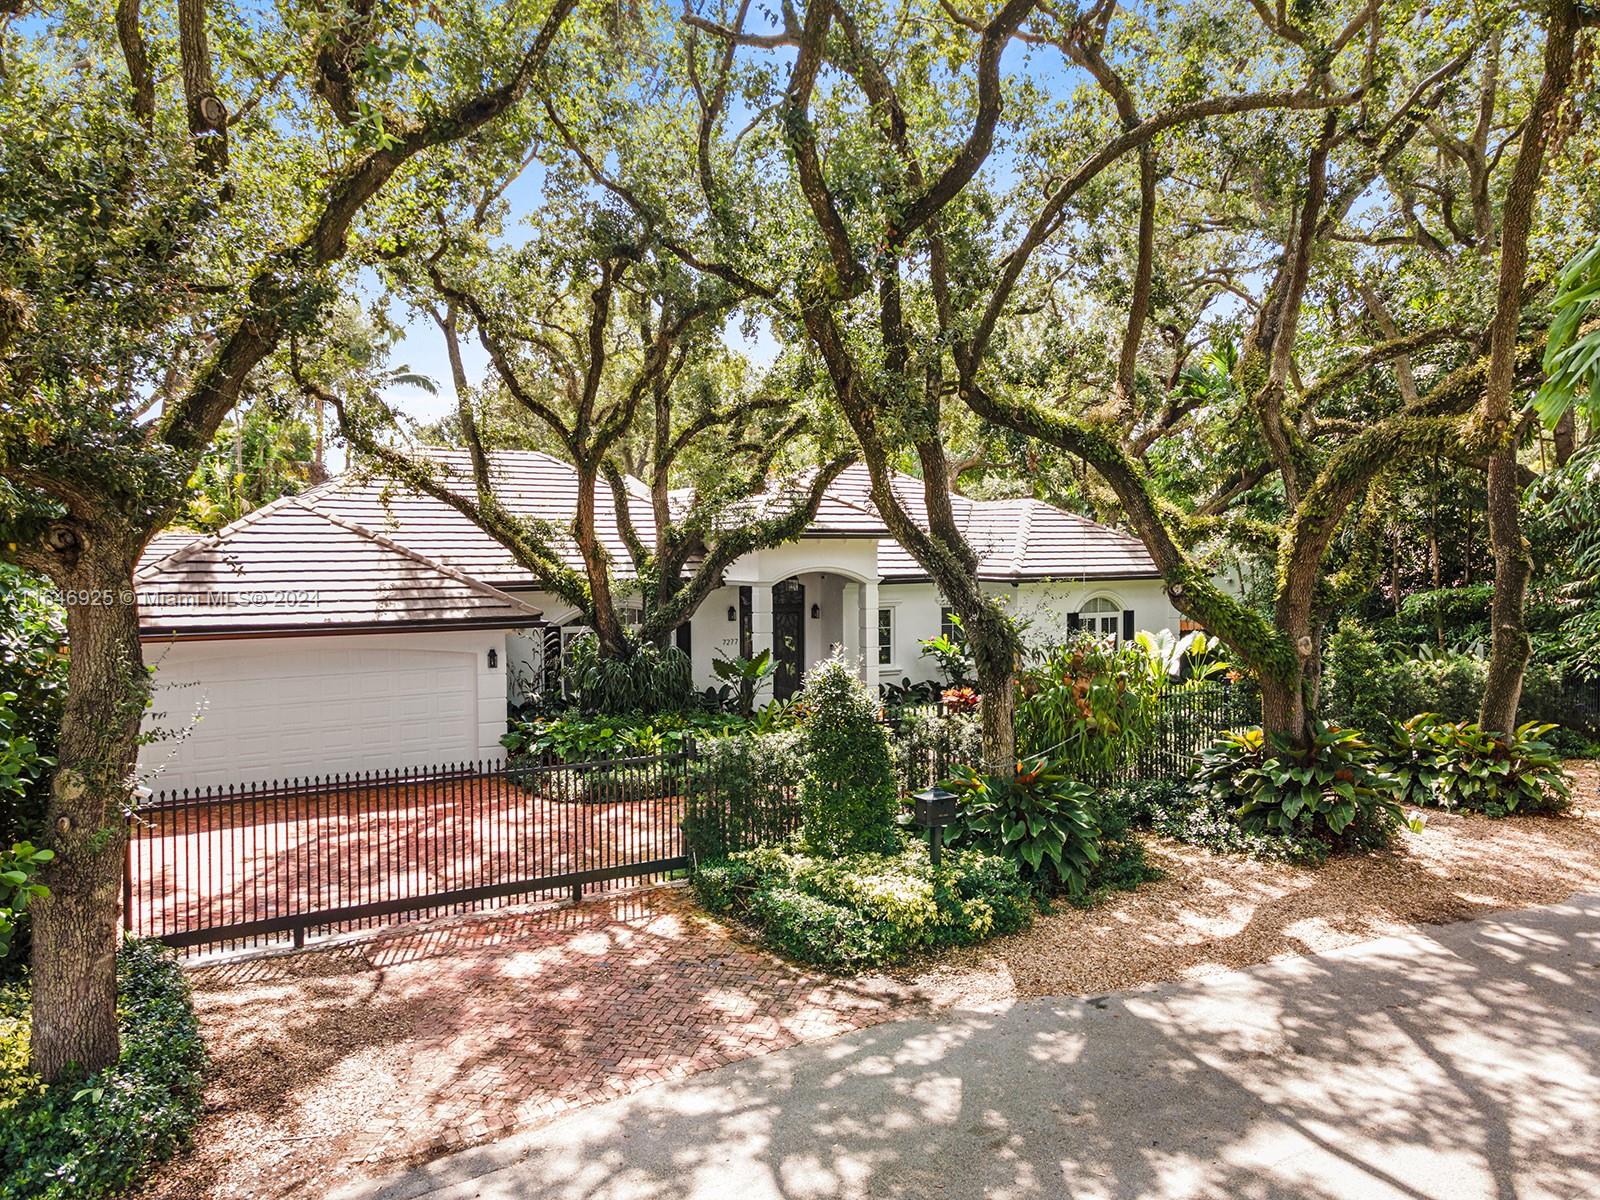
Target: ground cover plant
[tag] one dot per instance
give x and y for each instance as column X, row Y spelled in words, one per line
column 1460, row 765
column 863, row 910
column 94, row 1136
column 1334, row 792
column 1178, row 809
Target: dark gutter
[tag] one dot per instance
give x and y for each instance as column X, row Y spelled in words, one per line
column 219, row 633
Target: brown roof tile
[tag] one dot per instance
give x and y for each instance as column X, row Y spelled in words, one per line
column 289, row 568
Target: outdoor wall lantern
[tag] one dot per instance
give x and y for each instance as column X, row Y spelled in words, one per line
column 934, row 809
column 494, row 659
column 816, row 612
column 733, row 613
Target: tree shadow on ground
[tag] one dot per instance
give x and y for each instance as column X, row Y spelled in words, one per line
column 405, row 1046
column 1461, row 1064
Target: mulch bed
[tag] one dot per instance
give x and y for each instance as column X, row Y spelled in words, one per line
column 1212, row 914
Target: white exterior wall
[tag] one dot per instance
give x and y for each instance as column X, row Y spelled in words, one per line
column 848, row 620
column 1044, row 606
column 250, row 710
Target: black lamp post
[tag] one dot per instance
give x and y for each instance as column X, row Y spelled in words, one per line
column 934, row 809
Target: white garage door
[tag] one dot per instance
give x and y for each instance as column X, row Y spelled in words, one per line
column 303, row 710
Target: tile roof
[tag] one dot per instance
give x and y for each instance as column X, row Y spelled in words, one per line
column 382, row 555
column 1015, row 540
column 528, row 483
column 290, row 568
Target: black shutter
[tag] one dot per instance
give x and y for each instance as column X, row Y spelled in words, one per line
column 681, row 637
column 1074, row 622
column 1127, row 624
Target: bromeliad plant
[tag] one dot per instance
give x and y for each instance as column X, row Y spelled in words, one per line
column 1334, row 790
column 1038, row 817
column 1459, row 764
column 1087, row 705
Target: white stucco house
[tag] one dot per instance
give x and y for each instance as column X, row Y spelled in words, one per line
column 359, row 627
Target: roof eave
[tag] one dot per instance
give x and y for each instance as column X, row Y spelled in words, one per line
column 217, row 633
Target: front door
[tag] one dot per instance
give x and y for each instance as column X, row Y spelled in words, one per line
column 788, row 637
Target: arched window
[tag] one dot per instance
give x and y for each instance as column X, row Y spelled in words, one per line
column 1101, row 616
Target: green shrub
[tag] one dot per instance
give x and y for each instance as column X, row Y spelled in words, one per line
column 1142, row 803
column 855, row 911
column 1358, row 682
column 1364, row 686
column 19, row 867
column 1333, row 791
column 650, row 680
column 98, row 1136
column 1037, row 816
column 1089, row 706
column 1457, row 764
column 1123, row 865
column 824, row 932
column 1185, row 812
column 927, row 740
column 576, row 737
column 724, row 884
column 33, row 675
column 848, row 792
column 745, row 794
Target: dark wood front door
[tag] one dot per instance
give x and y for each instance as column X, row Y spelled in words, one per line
column 788, row 637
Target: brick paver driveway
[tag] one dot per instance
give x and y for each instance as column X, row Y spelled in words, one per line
column 349, row 1060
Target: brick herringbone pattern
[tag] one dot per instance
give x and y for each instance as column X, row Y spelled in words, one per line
column 445, row 1036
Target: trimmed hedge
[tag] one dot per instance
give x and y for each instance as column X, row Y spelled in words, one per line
column 852, row 912
column 848, row 789
column 99, row 1136
column 745, row 794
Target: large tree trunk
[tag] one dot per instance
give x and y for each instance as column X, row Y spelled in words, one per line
column 1513, row 565
column 608, row 631
column 75, row 928
column 1508, row 657
column 1283, row 710
column 1565, row 436
column 997, row 710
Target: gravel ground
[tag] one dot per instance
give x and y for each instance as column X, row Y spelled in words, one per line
column 1215, row 914
column 303, row 1046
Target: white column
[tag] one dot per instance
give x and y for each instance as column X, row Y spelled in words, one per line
column 761, row 631
column 850, row 620
column 869, row 635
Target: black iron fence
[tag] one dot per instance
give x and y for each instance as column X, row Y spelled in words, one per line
column 287, row 860
column 1574, row 706
column 284, row 860
column 1188, row 718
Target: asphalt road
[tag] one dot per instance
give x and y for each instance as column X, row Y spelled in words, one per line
column 1453, row 1063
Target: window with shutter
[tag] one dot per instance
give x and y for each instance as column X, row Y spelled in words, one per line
column 1103, row 616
